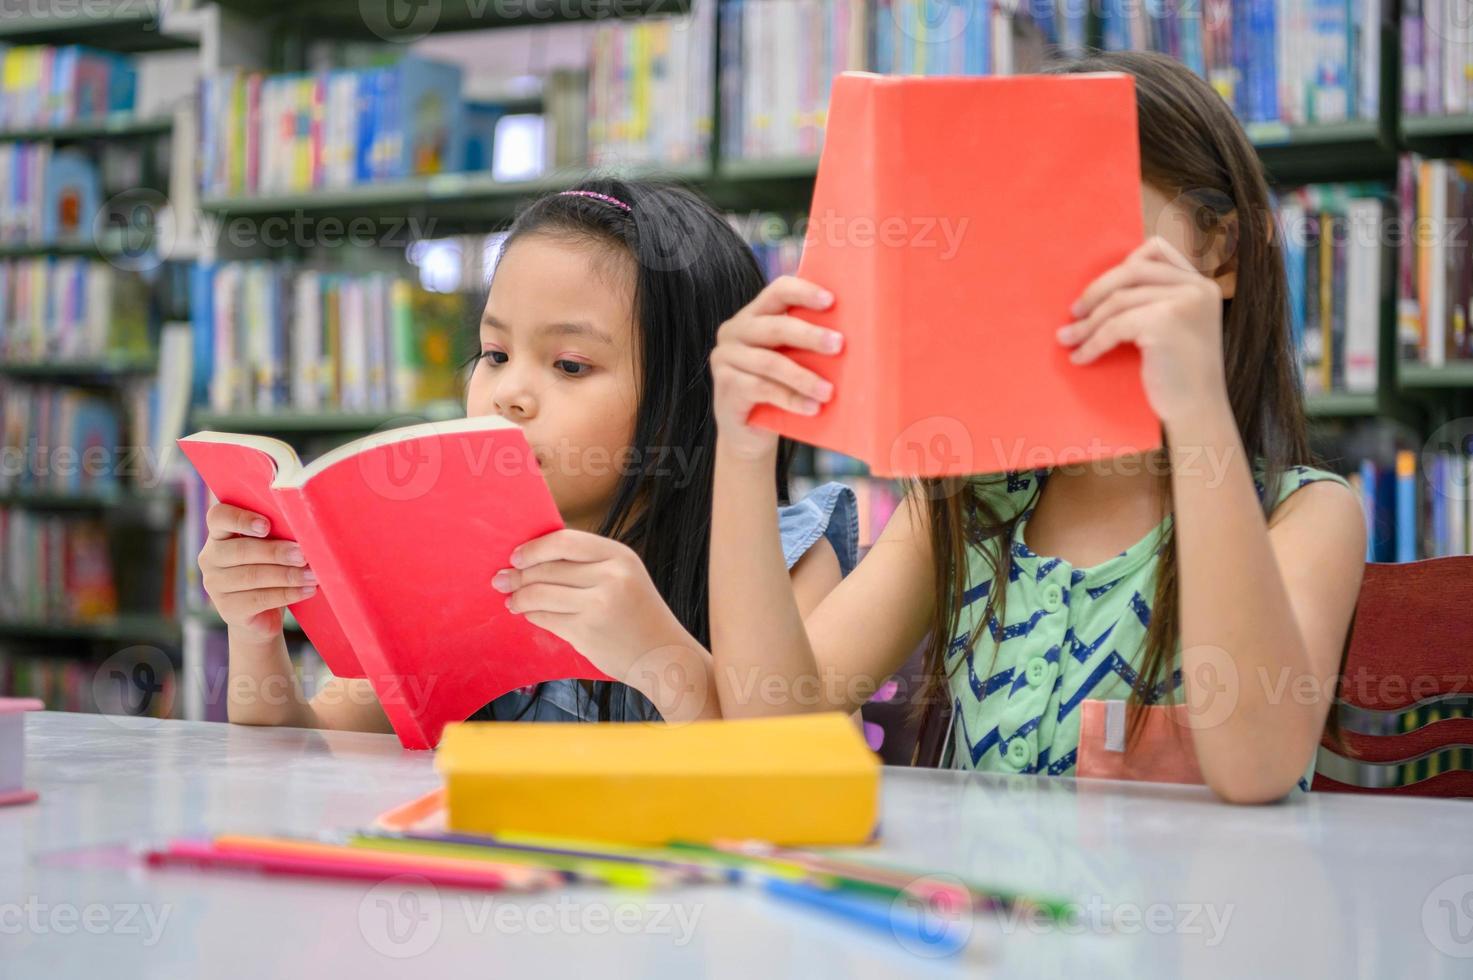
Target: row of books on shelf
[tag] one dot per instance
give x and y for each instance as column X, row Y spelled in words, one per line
column 298, row 132
column 71, row 309
column 1294, row 62
column 1417, row 507
column 650, row 89
column 1435, row 263
column 972, row 37
column 1437, row 58
column 274, row 335
column 56, row 568
column 1338, row 272
column 778, row 61
column 43, row 86
column 47, row 196
column 64, row 439
column 55, row 439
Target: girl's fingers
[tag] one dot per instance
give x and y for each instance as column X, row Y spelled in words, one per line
column 1111, row 334
column 782, row 369
column 785, row 292
column 250, row 578
column 1142, row 268
column 223, row 520
column 564, row 545
column 574, row 574
column 757, row 390
column 250, row 551
column 783, row 330
column 242, row 606
column 1116, row 303
column 543, row 597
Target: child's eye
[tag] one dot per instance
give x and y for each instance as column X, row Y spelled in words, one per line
column 572, row 369
column 494, row 356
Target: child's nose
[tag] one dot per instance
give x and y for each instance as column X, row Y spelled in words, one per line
column 515, row 398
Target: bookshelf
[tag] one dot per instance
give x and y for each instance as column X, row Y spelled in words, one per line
column 90, row 501
column 108, row 369
column 109, row 127
column 123, row 517
column 455, row 200
column 126, row 26
column 335, row 19
column 162, row 631
column 1455, row 375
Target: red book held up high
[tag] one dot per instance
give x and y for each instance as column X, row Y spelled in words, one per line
column 956, row 221
column 405, row 530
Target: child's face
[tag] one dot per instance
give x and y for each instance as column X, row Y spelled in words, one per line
column 558, row 359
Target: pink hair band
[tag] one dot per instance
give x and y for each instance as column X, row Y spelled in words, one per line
column 598, row 197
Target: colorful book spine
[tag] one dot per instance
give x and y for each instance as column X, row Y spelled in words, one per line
column 1435, row 275
column 1337, row 261
column 1291, row 62
column 301, row 132
column 281, row 337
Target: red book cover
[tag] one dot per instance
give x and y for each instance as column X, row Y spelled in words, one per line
column 405, row 530
column 956, row 220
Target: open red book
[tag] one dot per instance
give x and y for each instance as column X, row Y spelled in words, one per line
column 405, row 530
column 956, row 220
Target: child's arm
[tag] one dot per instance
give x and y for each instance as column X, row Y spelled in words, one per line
column 863, row 631
column 1265, row 608
column 596, row 594
column 249, row 579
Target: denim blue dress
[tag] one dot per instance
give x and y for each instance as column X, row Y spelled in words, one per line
column 830, row 512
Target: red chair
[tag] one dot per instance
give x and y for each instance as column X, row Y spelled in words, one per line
column 1411, row 644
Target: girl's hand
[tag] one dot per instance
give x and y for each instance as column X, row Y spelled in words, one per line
column 747, row 371
column 250, row 579
column 596, row 594
column 1158, row 301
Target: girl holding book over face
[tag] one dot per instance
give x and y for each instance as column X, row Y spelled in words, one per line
column 1190, row 592
column 602, row 313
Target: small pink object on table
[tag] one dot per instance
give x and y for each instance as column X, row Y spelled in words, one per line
column 13, row 749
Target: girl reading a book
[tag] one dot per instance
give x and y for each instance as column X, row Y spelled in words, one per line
column 600, row 319
column 1201, row 583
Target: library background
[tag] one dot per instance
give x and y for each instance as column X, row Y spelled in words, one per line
column 297, row 201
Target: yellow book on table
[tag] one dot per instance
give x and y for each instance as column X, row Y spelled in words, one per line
column 796, row 780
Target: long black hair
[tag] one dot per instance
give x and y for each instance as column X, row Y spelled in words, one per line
column 692, row 271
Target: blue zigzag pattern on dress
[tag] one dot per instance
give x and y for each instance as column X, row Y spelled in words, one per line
column 1113, row 664
column 977, row 749
column 1100, row 590
column 993, row 684
column 1002, row 634
column 1063, row 763
column 1044, row 567
column 1075, row 577
column 1141, row 608
column 979, row 591
column 1081, row 651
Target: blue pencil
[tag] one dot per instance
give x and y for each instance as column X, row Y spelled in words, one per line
column 907, row 925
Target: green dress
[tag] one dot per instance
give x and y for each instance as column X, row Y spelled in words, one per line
column 1071, row 634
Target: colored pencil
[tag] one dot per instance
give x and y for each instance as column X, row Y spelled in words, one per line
column 909, row 927
column 203, row 855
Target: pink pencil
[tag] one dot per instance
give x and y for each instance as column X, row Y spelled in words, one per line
column 204, row 855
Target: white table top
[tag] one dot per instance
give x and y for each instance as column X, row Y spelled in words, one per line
column 1170, row 882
